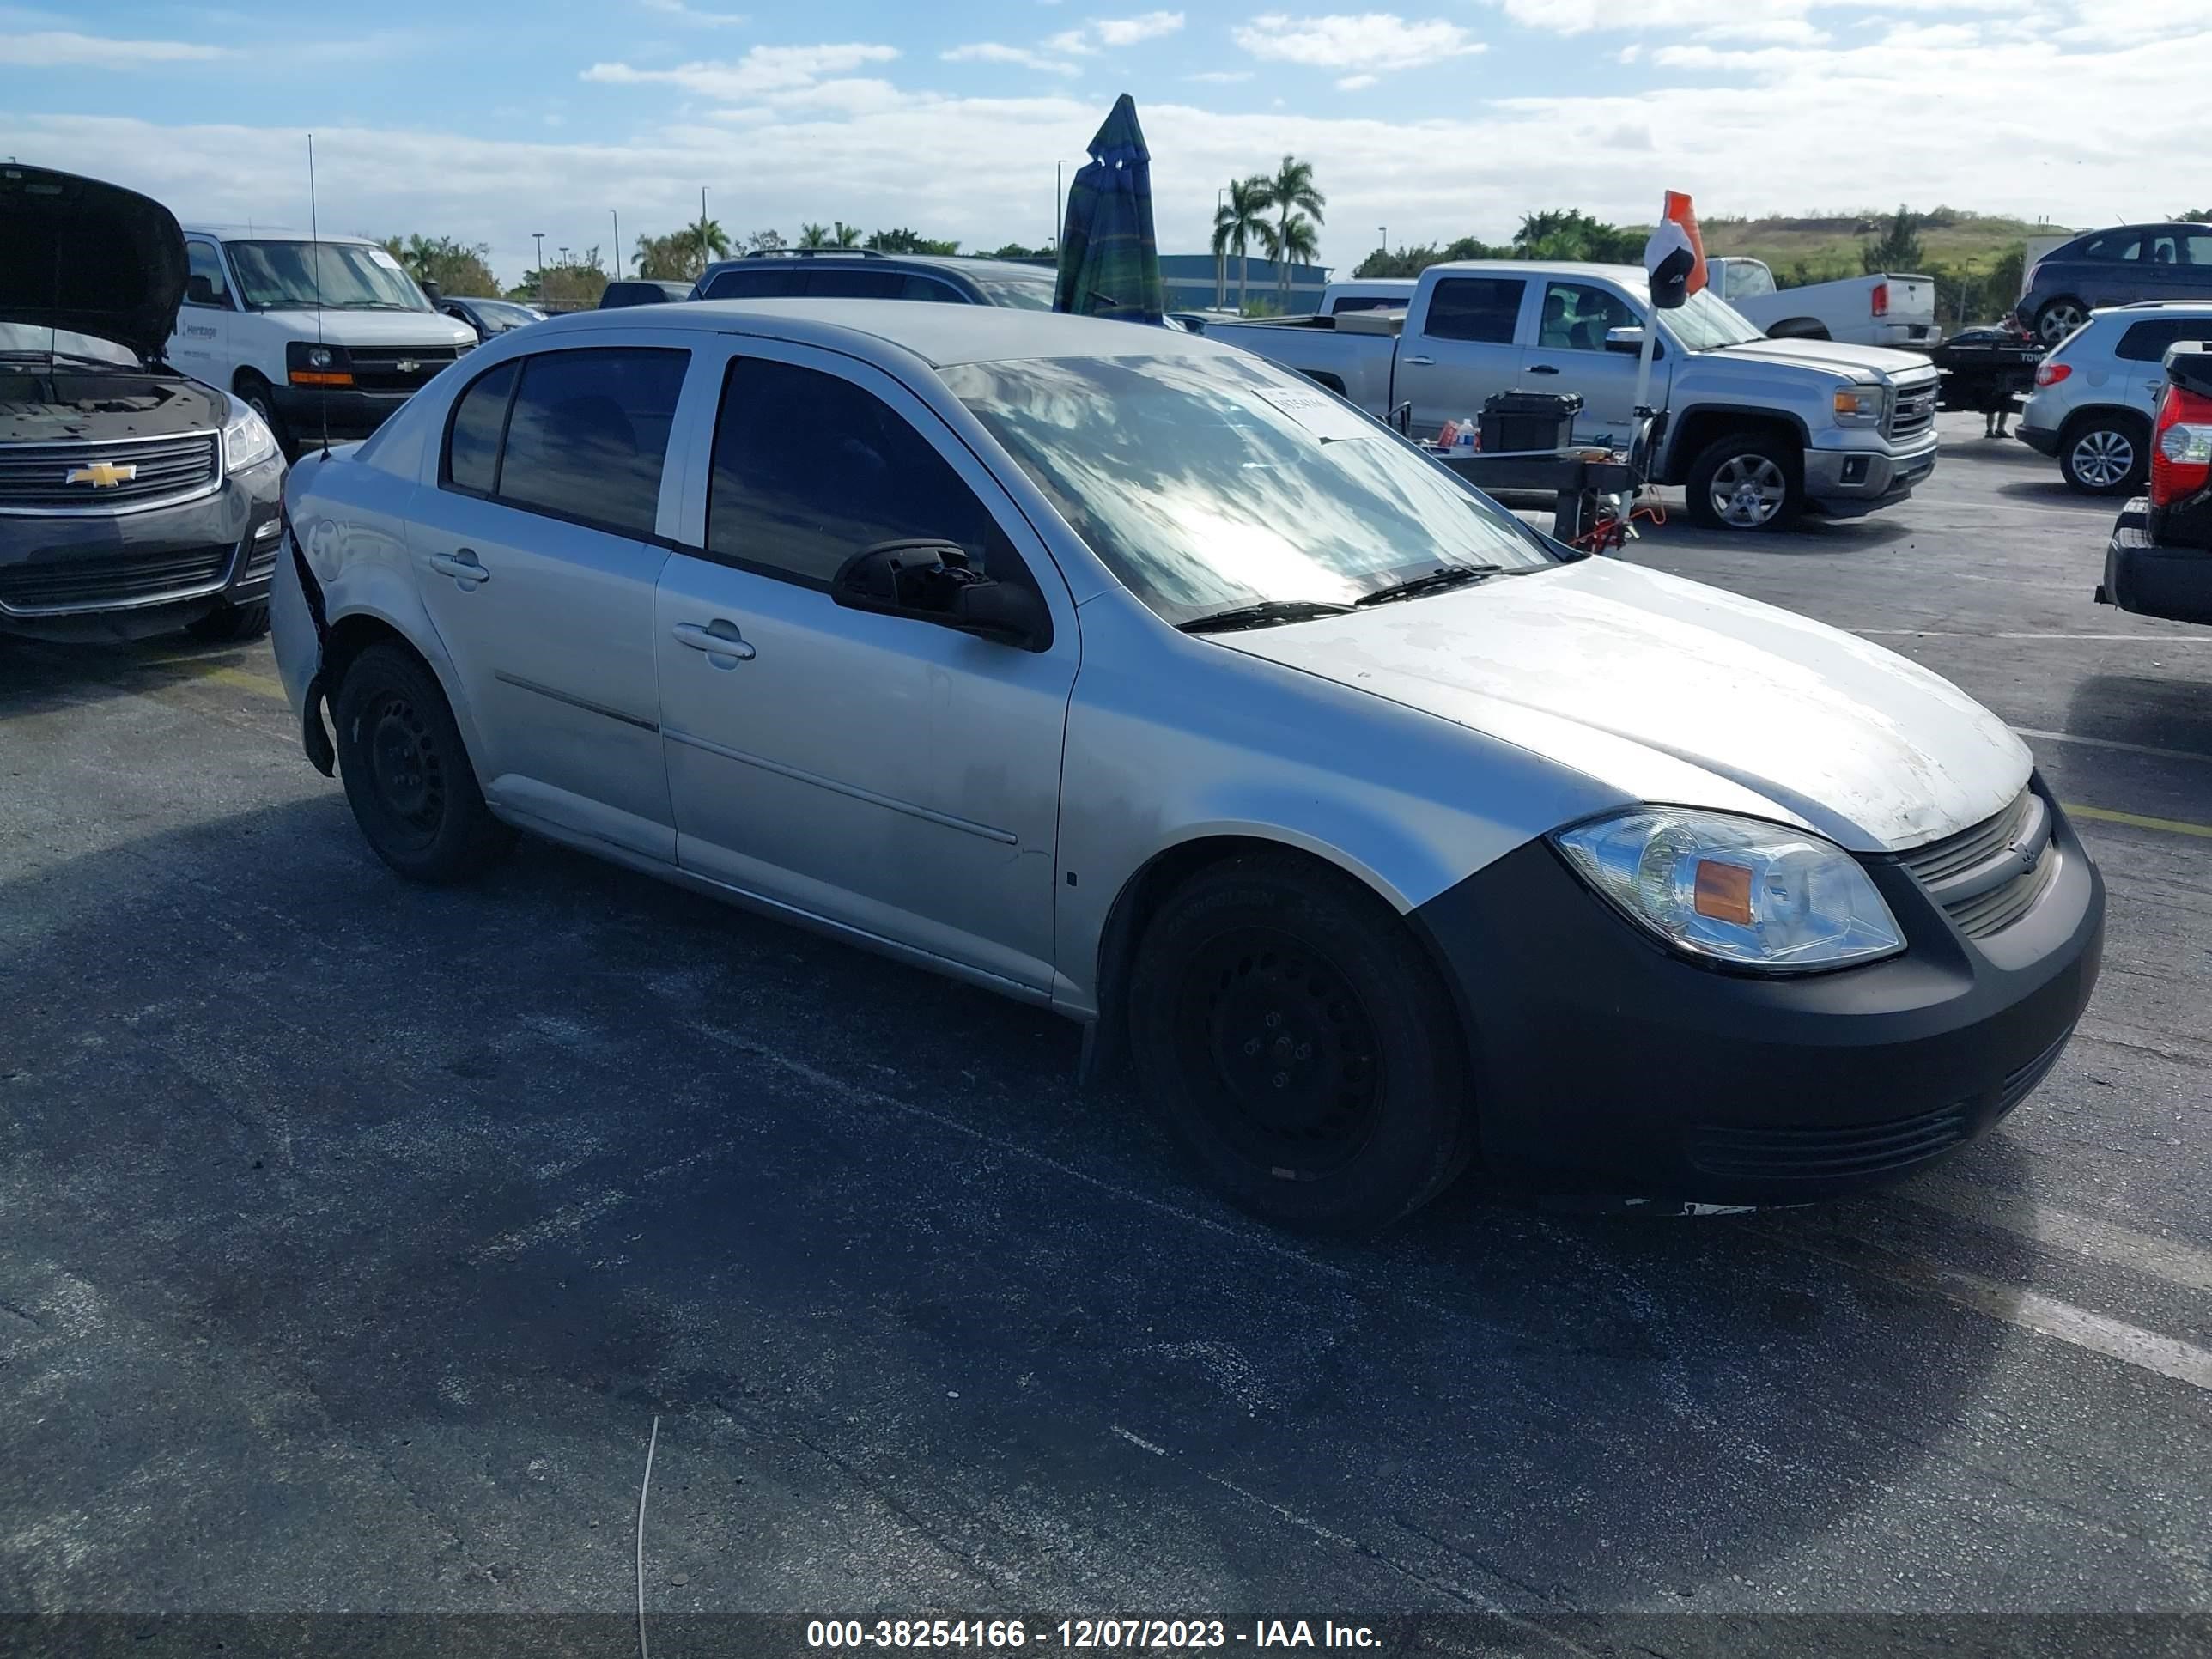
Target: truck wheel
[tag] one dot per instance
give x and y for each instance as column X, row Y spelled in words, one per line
column 1746, row 481
column 2060, row 319
column 1300, row 1045
column 2105, row 454
column 406, row 774
column 262, row 402
column 230, row 623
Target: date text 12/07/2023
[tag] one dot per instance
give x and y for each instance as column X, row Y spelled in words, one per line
column 1013, row 1636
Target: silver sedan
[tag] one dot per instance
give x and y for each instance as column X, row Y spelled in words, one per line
column 1122, row 672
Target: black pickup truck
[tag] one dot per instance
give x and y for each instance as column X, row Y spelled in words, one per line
column 2159, row 561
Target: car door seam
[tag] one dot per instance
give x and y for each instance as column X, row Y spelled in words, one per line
column 520, row 683
column 912, row 809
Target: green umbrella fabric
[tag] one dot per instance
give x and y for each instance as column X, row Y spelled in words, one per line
column 1109, row 260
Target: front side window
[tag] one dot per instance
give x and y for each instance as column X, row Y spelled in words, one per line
column 1483, row 309
column 1206, row 482
column 779, row 282
column 1578, row 316
column 2165, row 248
column 205, row 284
column 809, row 469
column 335, row 276
column 2196, row 248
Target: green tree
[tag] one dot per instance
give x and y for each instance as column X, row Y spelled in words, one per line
column 672, row 257
column 571, row 284
column 1237, row 224
column 2198, row 216
column 763, row 241
column 908, row 241
column 1291, row 244
column 1897, row 248
column 1290, row 192
column 1570, row 234
column 708, row 242
column 1017, row 250
column 455, row 267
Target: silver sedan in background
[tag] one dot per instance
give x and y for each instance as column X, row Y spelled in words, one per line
column 1120, row 672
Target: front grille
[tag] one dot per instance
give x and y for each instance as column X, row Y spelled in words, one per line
column 1987, row 877
column 92, row 584
column 1822, row 1154
column 397, row 368
column 2019, row 1085
column 1915, row 411
column 37, row 477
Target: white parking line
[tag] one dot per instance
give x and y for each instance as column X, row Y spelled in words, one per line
column 2176, row 1263
column 1961, row 634
column 2112, row 743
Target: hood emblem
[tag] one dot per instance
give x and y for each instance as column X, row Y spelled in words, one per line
column 101, row 474
column 407, row 365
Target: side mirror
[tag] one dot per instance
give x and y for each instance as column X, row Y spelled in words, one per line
column 930, row 581
column 1630, row 340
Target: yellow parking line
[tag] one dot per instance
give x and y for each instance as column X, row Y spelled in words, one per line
column 2171, row 826
column 265, row 685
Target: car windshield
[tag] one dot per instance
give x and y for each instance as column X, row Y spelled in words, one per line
column 347, row 277
column 1211, row 483
column 1703, row 324
column 1023, row 291
column 29, row 339
column 499, row 315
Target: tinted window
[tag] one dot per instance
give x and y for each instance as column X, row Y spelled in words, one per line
column 773, row 282
column 2165, row 248
column 2112, row 245
column 472, row 443
column 2146, row 343
column 1369, row 302
column 809, row 469
column 856, row 285
column 589, row 433
column 206, row 285
column 1483, row 309
column 1577, row 317
column 928, row 288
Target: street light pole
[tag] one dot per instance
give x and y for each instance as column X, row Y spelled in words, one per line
column 1059, row 205
column 618, row 252
column 538, row 237
column 1221, row 252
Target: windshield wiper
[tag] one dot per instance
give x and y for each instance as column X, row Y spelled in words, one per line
column 1450, row 575
column 1266, row 614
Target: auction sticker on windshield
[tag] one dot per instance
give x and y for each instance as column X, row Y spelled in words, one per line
column 1327, row 418
column 382, row 257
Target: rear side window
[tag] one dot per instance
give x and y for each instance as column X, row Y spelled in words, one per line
column 473, row 441
column 586, row 433
column 2165, row 248
column 2112, row 245
column 2197, row 248
column 1479, row 309
column 1364, row 302
column 777, row 282
column 856, row 285
column 809, row 469
column 2146, row 343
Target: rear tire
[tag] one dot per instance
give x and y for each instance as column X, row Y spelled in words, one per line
column 1300, row 1045
column 2105, row 454
column 228, row 624
column 406, row 773
column 2060, row 318
column 1746, row 481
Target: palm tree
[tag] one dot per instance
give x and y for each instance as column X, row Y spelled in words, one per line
column 815, row 236
column 1289, row 192
column 708, row 237
column 1238, row 223
column 1294, row 244
column 845, row 235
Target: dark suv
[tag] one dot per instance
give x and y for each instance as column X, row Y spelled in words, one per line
column 2115, row 267
column 854, row 274
column 640, row 291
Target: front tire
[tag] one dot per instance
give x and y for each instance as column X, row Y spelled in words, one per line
column 2105, row 455
column 1300, row 1045
column 2059, row 318
column 406, row 774
column 1746, row 481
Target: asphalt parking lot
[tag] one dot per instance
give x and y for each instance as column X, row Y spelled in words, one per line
column 353, row 1236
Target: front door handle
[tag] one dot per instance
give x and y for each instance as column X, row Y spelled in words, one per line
column 462, row 566
column 1419, row 362
column 1541, row 368
column 719, row 639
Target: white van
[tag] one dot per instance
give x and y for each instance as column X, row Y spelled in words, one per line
column 322, row 335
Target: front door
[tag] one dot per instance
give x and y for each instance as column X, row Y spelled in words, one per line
column 532, row 540
column 1461, row 350
column 1569, row 354
column 889, row 775
column 201, row 345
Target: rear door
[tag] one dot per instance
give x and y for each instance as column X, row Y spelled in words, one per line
column 2196, row 279
column 2140, row 356
column 891, row 776
column 535, row 549
column 1570, row 355
column 1461, row 347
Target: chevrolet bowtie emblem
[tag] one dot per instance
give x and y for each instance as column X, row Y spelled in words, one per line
column 102, row 475
column 407, row 365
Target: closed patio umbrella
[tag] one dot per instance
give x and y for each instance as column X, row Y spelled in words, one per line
column 1109, row 260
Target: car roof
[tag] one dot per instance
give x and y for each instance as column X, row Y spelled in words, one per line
column 1631, row 275
column 2138, row 311
column 941, row 335
column 979, row 262
column 271, row 234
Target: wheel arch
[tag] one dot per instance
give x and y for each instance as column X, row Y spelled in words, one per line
column 1695, row 428
column 367, row 619
column 2115, row 414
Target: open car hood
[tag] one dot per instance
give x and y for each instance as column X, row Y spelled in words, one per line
column 88, row 256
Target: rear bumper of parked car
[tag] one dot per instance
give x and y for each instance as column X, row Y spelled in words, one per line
column 2042, row 440
column 2151, row 581
column 308, row 412
column 133, row 574
column 1849, row 482
column 1609, row 1069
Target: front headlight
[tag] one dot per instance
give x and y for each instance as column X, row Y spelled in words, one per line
column 1862, row 405
column 246, row 440
column 1735, row 891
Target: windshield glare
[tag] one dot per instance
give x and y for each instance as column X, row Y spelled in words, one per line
column 28, row 337
column 1022, row 291
column 1207, row 483
column 348, row 276
column 1703, row 323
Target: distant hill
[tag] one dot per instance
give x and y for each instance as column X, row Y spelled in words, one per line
column 1828, row 245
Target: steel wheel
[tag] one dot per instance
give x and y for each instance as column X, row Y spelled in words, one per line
column 2059, row 318
column 406, row 766
column 1748, row 491
column 406, row 771
column 2103, row 458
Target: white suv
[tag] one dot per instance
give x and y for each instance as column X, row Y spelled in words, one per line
column 2095, row 393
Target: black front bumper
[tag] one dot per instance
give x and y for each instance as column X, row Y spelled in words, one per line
column 130, row 576
column 1609, row 1068
column 344, row 414
column 2152, row 579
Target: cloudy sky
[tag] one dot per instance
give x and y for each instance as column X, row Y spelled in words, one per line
column 489, row 121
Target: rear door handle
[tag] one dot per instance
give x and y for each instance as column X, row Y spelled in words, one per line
column 462, row 566
column 718, row 639
column 1541, row 368
column 1419, row 362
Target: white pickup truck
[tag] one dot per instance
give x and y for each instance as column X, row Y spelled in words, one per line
column 1885, row 309
column 1756, row 429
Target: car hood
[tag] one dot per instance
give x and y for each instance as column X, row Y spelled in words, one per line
column 1672, row 691
column 91, row 258
column 374, row 328
column 1838, row 355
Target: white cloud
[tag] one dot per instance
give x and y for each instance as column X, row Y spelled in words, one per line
column 1070, row 40
column 1629, row 53
column 990, row 52
column 55, row 48
column 1371, row 41
column 1220, row 77
column 711, row 20
column 764, row 69
column 1128, row 31
column 1356, row 82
